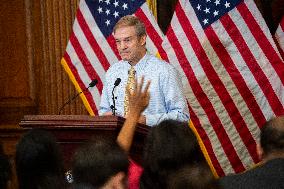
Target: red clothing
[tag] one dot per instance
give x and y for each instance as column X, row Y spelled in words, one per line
column 134, row 173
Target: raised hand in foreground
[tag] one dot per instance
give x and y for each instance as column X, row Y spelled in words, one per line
column 138, row 101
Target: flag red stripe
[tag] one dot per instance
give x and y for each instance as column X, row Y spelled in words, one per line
column 262, row 40
column 251, row 62
column 207, row 144
column 235, row 75
column 279, row 47
column 205, row 102
column 80, row 82
column 152, row 33
column 85, row 61
column 218, row 85
column 92, row 41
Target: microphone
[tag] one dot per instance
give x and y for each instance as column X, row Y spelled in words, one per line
column 92, row 84
column 116, row 83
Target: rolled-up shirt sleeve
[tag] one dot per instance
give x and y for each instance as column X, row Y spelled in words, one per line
column 174, row 99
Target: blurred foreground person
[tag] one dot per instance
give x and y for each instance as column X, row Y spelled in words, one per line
column 270, row 173
column 101, row 163
column 5, row 169
column 38, row 161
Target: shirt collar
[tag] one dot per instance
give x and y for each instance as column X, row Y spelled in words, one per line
column 142, row 62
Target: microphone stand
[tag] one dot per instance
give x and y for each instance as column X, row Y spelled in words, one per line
column 116, row 83
column 113, row 102
column 92, row 84
column 59, row 112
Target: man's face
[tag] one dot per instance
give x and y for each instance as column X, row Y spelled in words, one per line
column 130, row 46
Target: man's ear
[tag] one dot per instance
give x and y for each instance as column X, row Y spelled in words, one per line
column 259, row 151
column 143, row 39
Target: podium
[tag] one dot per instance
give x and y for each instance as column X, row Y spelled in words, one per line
column 71, row 131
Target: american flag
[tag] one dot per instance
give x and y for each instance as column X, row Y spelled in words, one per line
column 91, row 48
column 232, row 75
column 279, row 36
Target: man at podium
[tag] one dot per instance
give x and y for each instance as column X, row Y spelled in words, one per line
column 166, row 97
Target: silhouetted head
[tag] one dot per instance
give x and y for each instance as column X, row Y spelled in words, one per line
column 5, row 169
column 169, row 146
column 38, row 161
column 272, row 136
column 197, row 176
column 99, row 161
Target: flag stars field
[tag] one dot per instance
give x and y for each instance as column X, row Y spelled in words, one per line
column 107, row 2
column 115, row 14
column 100, row 10
column 107, row 12
column 198, row 7
column 125, row 6
column 215, row 13
column 115, row 3
column 207, row 10
column 217, row 2
column 107, row 22
column 227, row 5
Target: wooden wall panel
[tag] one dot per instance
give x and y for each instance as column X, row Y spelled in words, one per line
column 54, row 87
column 35, row 34
column 16, row 92
column 13, row 62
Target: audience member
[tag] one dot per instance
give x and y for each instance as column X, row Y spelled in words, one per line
column 5, row 169
column 197, row 176
column 81, row 186
column 169, row 146
column 38, row 161
column 101, row 164
column 270, row 173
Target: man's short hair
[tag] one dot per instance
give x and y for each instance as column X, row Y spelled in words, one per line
column 130, row 20
column 97, row 161
column 272, row 136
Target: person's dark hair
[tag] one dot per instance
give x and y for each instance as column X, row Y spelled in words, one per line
column 97, row 161
column 5, row 169
column 197, row 176
column 272, row 136
column 169, row 146
column 81, row 186
column 38, row 161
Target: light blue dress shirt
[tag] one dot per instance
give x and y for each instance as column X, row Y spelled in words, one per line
column 166, row 97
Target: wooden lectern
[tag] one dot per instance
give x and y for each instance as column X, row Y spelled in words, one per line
column 73, row 130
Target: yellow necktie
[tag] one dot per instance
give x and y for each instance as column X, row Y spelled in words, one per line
column 130, row 86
